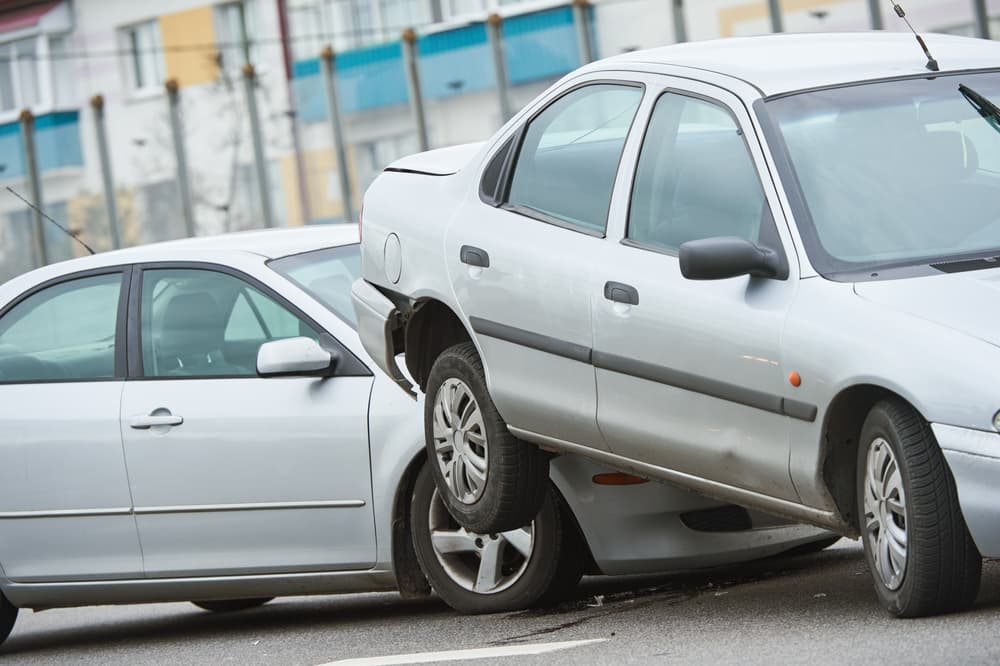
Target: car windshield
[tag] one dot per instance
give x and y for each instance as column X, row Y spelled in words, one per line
column 897, row 173
column 327, row 275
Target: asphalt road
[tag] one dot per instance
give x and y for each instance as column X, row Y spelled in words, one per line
column 812, row 609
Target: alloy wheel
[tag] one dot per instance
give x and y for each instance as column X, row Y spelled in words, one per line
column 885, row 514
column 480, row 563
column 460, row 441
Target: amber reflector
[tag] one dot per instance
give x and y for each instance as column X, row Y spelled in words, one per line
column 618, row 479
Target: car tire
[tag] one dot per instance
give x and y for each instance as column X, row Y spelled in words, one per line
column 231, row 605
column 490, row 481
column 916, row 543
column 8, row 615
column 574, row 558
column 484, row 573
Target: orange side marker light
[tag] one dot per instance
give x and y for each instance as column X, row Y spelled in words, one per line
column 794, row 379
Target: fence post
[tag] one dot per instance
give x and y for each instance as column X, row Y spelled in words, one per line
column 680, row 26
column 180, row 155
column 875, row 14
column 774, row 9
column 34, row 186
column 982, row 19
column 256, row 138
column 494, row 33
column 97, row 104
column 582, row 25
column 328, row 60
column 409, row 41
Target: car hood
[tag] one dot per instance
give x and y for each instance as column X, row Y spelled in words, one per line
column 965, row 302
column 439, row 162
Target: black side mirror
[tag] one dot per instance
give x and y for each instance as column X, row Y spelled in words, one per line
column 728, row 256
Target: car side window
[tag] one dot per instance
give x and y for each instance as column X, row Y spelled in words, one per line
column 568, row 159
column 63, row 332
column 204, row 323
column 695, row 178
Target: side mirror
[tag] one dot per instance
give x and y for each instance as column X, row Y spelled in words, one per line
column 293, row 356
column 728, row 256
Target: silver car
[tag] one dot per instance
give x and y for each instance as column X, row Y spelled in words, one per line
column 198, row 420
column 759, row 268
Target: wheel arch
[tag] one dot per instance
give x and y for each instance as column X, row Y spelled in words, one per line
column 840, row 440
column 410, row 578
column 431, row 328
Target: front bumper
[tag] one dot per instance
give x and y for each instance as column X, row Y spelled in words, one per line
column 974, row 459
column 377, row 319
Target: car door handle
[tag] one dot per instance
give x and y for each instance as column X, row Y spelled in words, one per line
column 144, row 421
column 619, row 292
column 474, row 256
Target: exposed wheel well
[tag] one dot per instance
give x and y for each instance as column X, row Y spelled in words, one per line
column 841, row 435
column 432, row 327
column 410, row 577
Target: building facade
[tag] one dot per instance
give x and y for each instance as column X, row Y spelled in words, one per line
column 57, row 55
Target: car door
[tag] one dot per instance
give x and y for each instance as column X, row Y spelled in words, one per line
column 523, row 256
column 230, row 472
column 65, row 511
column 689, row 373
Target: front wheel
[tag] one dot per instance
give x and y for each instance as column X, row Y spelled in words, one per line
column 484, row 573
column 922, row 558
column 231, row 605
column 489, row 480
column 8, row 615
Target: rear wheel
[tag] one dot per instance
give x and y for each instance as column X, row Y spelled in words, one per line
column 484, row 573
column 922, row 558
column 231, row 605
column 8, row 615
column 489, row 480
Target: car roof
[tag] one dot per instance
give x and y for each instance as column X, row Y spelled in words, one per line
column 776, row 64
column 268, row 244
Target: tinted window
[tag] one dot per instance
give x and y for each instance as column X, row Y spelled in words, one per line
column 695, row 178
column 327, row 275
column 200, row 323
column 569, row 157
column 66, row 331
column 896, row 173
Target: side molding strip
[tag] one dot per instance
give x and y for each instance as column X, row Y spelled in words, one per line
column 543, row 343
column 687, row 381
column 261, row 506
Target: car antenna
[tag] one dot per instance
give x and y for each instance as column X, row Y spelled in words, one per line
column 42, row 213
column 932, row 64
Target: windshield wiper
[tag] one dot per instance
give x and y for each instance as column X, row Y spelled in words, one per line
column 987, row 109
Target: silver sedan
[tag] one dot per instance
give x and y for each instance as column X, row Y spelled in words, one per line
column 198, row 420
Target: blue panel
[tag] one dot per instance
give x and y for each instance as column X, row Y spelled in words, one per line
column 540, row 45
column 57, row 139
column 367, row 78
column 455, row 61
column 537, row 46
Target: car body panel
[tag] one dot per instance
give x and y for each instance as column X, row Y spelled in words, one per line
column 223, row 463
column 974, row 459
column 903, row 337
column 57, row 492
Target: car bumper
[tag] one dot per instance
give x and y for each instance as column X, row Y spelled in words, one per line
column 378, row 318
column 974, row 459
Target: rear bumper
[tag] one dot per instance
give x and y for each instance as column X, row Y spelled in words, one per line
column 377, row 319
column 974, row 459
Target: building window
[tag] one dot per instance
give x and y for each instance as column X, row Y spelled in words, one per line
column 235, row 31
column 19, row 74
column 145, row 55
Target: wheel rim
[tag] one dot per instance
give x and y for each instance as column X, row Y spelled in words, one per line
column 460, row 441
column 480, row 563
column 885, row 514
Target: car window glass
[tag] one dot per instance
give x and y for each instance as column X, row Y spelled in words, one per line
column 569, row 157
column 695, row 178
column 327, row 275
column 64, row 332
column 202, row 323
